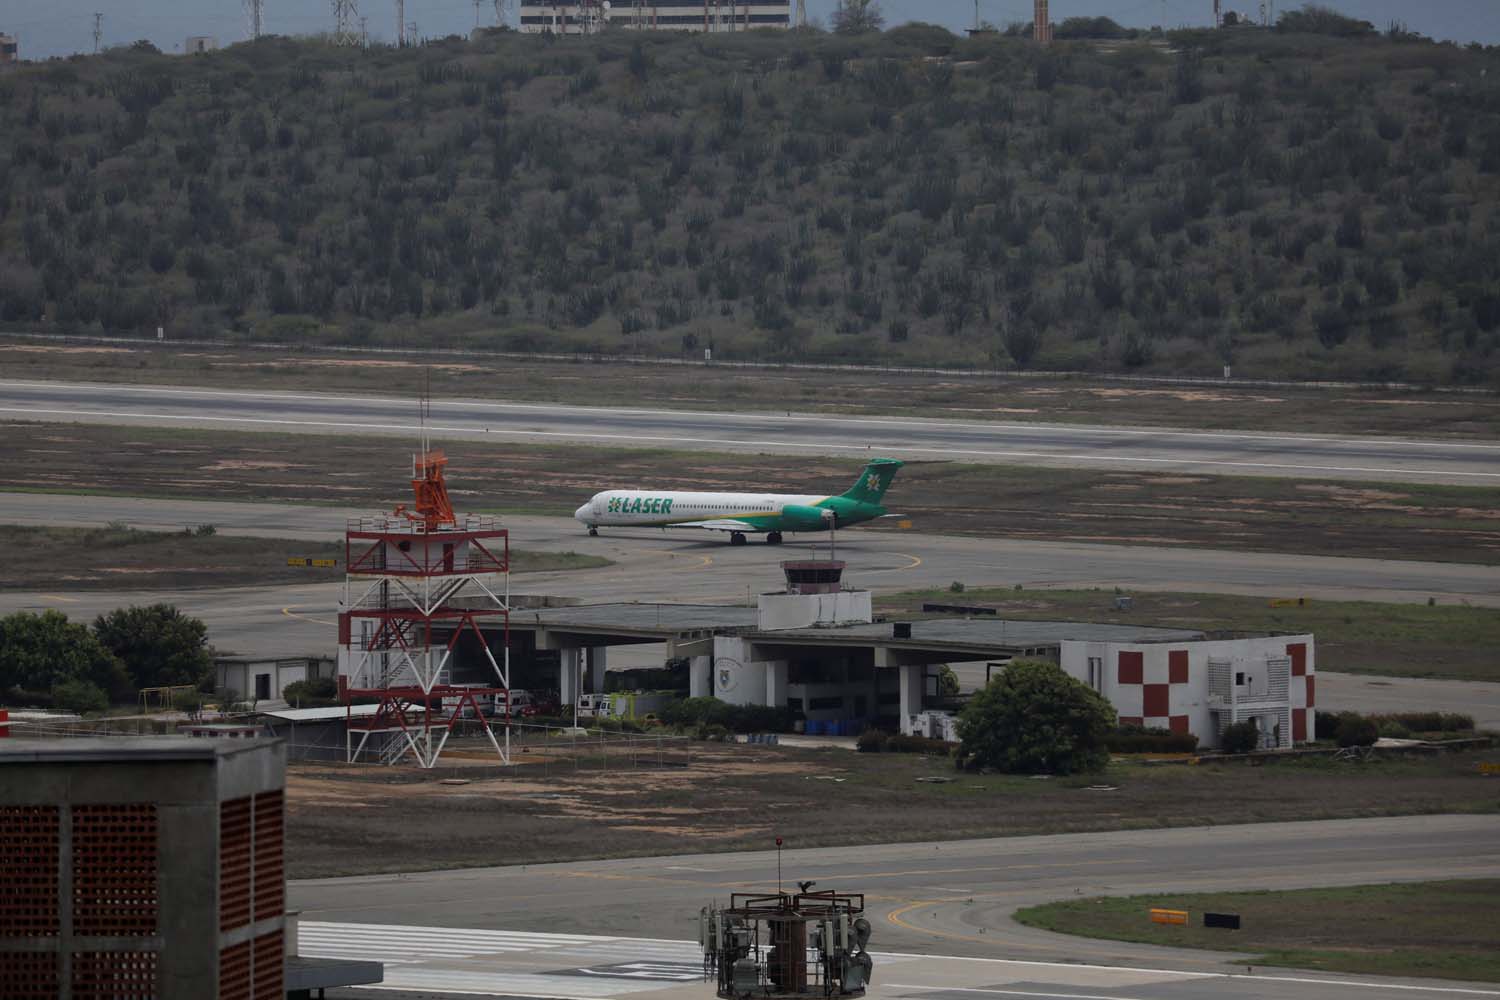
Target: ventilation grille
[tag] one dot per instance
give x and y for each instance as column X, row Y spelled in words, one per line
column 269, row 964
column 28, row 872
column 114, row 870
column 28, row 975
column 114, row 975
column 234, row 972
column 234, row 863
column 270, row 882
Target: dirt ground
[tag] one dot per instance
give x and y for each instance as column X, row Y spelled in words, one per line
column 1080, row 399
column 1390, row 521
column 370, row 819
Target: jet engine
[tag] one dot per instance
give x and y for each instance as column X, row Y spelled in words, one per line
column 797, row 517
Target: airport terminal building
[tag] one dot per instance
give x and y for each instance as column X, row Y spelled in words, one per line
column 815, row 648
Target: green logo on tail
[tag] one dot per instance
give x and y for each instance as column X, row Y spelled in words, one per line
column 874, row 481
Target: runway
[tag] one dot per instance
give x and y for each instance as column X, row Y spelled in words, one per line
column 1058, row 445
column 940, row 911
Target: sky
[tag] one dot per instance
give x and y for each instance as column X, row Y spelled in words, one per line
column 61, row 27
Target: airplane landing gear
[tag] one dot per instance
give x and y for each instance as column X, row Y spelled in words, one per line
column 736, row 538
column 593, row 532
column 773, row 538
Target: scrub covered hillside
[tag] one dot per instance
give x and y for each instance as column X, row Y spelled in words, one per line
column 1294, row 203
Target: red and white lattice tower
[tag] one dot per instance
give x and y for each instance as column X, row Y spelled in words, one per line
column 1041, row 23
column 416, row 581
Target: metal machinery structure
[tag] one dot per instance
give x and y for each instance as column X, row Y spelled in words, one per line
column 796, row 945
column 416, row 581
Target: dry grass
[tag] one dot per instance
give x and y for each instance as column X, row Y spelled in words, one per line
column 732, row 797
column 120, row 558
column 1444, row 929
column 1390, row 521
column 1363, row 637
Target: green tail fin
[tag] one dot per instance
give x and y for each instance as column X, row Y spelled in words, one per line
column 874, row 481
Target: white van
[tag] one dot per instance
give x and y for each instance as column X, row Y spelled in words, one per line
column 593, row 706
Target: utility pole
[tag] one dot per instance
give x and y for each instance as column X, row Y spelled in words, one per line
column 1218, row 15
column 98, row 30
column 477, row 5
column 411, row 33
column 364, row 32
column 401, row 24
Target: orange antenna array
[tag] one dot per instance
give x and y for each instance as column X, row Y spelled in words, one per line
column 431, row 505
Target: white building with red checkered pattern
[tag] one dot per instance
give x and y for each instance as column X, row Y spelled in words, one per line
column 1203, row 687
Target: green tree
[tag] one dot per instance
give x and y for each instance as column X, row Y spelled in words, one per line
column 857, row 17
column 40, row 652
column 1034, row 718
column 158, row 644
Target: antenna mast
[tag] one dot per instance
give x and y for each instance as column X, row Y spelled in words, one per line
column 254, row 14
column 98, row 30
column 345, row 13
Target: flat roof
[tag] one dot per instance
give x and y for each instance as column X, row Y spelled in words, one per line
column 667, row 621
column 979, row 633
column 114, row 749
column 322, row 712
column 663, row 619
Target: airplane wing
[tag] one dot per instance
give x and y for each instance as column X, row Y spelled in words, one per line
column 720, row 524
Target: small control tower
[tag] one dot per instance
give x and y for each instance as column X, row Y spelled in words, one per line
column 815, row 595
column 792, row 945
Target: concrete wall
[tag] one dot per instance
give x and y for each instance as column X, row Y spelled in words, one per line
column 844, row 607
column 151, row 828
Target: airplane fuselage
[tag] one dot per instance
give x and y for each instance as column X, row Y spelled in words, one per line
column 758, row 512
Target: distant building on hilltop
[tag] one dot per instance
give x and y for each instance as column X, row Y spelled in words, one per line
column 9, row 49
column 200, row 43
column 585, row 17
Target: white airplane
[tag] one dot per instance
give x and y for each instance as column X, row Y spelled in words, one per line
column 743, row 513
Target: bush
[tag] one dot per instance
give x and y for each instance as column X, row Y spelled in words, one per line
column 1357, row 731
column 1242, row 737
column 901, row 743
column 79, row 696
column 189, row 702
column 1034, row 718
column 709, row 711
column 308, row 694
column 1426, row 722
column 872, row 741
column 1135, row 739
column 1398, row 725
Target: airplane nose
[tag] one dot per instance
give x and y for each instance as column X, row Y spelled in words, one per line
column 582, row 513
